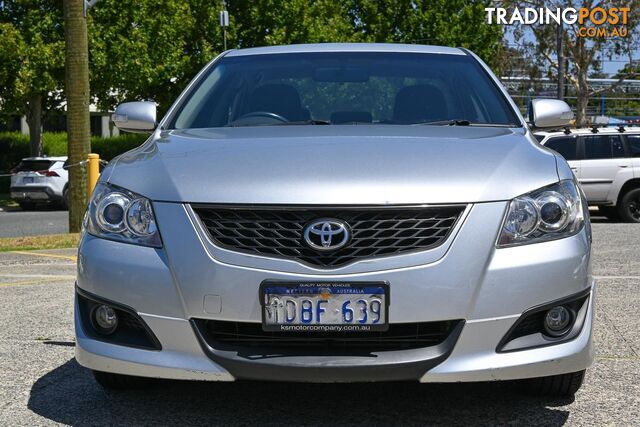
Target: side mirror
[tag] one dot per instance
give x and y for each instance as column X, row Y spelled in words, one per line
column 136, row 117
column 549, row 113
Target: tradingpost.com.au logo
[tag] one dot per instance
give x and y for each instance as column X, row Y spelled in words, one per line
column 592, row 22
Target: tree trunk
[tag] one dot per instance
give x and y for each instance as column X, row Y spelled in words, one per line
column 582, row 99
column 34, row 120
column 77, row 94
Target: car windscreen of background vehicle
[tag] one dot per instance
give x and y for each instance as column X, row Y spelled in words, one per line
column 33, row 165
column 344, row 88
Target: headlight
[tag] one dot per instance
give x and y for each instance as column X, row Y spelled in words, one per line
column 118, row 214
column 550, row 213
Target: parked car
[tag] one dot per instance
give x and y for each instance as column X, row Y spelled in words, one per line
column 338, row 213
column 606, row 162
column 38, row 180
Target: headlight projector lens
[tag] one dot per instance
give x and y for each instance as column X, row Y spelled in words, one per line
column 110, row 212
column 554, row 211
column 557, row 321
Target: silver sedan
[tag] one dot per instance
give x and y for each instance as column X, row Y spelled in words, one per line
column 338, row 213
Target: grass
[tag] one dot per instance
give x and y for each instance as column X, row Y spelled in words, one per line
column 52, row 241
column 6, row 202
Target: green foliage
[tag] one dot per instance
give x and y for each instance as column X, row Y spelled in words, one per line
column 273, row 22
column 150, row 49
column 146, row 49
column 460, row 23
column 137, row 53
column 14, row 146
column 31, row 53
column 108, row 148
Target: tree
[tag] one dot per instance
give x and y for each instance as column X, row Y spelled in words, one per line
column 445, row 22
column 538, row 42
column 459, row 23
column 77, row 95
column 148, row 49
column 273, row 22
column 31, row 62
column 137, row 53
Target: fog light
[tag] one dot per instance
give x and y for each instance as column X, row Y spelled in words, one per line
column 557, row 321
column 105, row 319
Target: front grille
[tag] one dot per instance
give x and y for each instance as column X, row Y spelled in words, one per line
column 249, row 337
column 278, row 232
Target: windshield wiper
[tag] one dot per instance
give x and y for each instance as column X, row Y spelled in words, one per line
column 305, row 122
column 451, row 122
column 464, row 122
column 298, row 122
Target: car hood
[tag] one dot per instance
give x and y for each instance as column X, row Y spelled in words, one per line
column 353, row 165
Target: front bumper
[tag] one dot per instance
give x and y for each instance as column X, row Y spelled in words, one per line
column 488, row 288
column 472, row 359
column 34, row 193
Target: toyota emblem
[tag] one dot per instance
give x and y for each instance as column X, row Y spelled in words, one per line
column 327, row 234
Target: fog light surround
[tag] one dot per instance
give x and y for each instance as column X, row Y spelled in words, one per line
column 104, row 319
column 558, row 320
column 547, row 324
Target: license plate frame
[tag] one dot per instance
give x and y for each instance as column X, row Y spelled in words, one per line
column 266, row 285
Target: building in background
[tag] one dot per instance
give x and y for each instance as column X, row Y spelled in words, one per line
column 101, row 124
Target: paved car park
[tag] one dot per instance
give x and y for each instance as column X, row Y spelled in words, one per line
column 40, row 382
column 14, row 222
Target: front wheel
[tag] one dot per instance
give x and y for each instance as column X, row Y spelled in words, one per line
column 563, row 385
column 64, row 203
column 611, row 212
column 629, row 206
column 120, row 382
column 27, row 206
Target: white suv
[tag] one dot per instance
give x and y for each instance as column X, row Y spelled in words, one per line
column 39, row 180
column 606, row 161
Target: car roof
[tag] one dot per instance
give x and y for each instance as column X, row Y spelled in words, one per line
column 590, row 131
column 347, row 47
column 53, row 159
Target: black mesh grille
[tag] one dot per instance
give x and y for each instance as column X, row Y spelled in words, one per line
column 375, row 231
column 238, row 336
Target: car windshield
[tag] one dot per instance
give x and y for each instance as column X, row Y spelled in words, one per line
column 33, row 165
column 344, row 88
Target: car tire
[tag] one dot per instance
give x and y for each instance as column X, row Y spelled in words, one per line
column 64, row 203
column 120, row 382
column 611, row 212
column 27, row 206
column 629, row 206
column 563, row 385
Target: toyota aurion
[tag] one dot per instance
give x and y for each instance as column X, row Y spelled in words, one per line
column 338, row 213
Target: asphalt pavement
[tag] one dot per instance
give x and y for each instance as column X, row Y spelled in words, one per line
column 14, row 222
column 42, row 384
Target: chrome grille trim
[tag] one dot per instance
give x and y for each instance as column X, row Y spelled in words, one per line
column 378, row 231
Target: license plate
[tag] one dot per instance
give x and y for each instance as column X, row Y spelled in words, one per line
column 27, row 180
column 324, row 306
